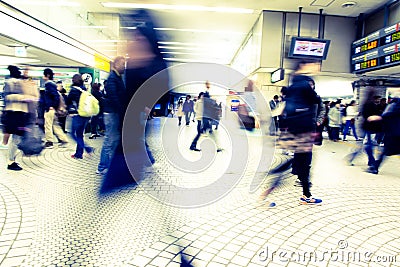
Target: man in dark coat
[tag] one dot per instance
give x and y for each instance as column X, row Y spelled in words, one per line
column 113, row 112
column 391, row 131
column 301, row 101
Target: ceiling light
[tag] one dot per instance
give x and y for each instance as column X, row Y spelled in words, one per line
column 184, row 53
column 195, row 60
column 178, row 7
column 219, row 56
column 349, row 4
column 9, row 60
column 89, row 27
column 180, row 48
column 198, row 30
column 104, row 41
column 186, row 44
column 47, row 3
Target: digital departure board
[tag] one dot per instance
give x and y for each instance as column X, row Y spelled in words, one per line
column 377, row 50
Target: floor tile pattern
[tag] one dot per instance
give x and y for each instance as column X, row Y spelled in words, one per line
column 51, row 215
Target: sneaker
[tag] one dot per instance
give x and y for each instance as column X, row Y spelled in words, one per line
column 3, row 146
column 219, row 150
column 62, row 144
column 310, row 200
column 14, row 167
column 89, row 151
column 75, row 157
column 102, row 172
column 372, row 169
column 195, row 149
column 48, row 145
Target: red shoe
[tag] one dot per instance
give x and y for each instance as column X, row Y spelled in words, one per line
column 75, row 157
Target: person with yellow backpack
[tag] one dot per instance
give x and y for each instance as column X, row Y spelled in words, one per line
column 82, row 105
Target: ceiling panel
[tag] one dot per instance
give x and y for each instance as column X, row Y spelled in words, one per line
column 213, row 36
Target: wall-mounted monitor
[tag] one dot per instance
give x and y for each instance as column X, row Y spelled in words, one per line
column 277, row 75
column 303, row 47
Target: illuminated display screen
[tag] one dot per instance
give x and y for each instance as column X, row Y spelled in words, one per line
column 365, row 47
column 302, row 47
column 371, row 63
column 390, row 38
column 381, row 52
column 395, row 57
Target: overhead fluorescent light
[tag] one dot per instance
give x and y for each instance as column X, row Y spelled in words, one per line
column 198, row 30
column 104, row 41
column 184, row 53
column 47, row 3
column 187, row 44
column 89, row 27
column 129, row 28
column 178, row 7
column 181, row 48
column 195, row 60
column 217, row 56
column 9, row 60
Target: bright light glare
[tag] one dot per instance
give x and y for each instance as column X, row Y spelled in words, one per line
column 179, row 7
column 199, row 31
column 9, row 60
column 47, row 3
column 195, row 60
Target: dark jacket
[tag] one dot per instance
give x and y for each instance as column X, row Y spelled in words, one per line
column 211, row 109
column 300, row 109
column 371, row 109
column 100, row 97
column 153, row 89
column 391, row 128
column 188, row 106
column 115, row 94
column 51, row 96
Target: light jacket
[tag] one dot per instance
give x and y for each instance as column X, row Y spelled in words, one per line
column 14, row 96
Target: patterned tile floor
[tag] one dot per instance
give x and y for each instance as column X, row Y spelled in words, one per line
column 51, row 215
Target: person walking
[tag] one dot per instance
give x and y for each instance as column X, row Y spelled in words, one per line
column 198, row 107
column 113, row 113
column 301, row 101
column 78, row 122
column 179, row 112
column 16, row 112
column 188, row 109
column 51, row 102
column 350, row 118
column 273, row 104
column 62, row 119
column 391, row 130
column 371, row 126
column 334, row 121
column 95, row 121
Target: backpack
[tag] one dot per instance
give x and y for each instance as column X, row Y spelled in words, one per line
column 31, row 142
column 62, row 107
column 88, row 105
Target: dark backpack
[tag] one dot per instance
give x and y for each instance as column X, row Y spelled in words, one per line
column 62, row 107
column 31, row 143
